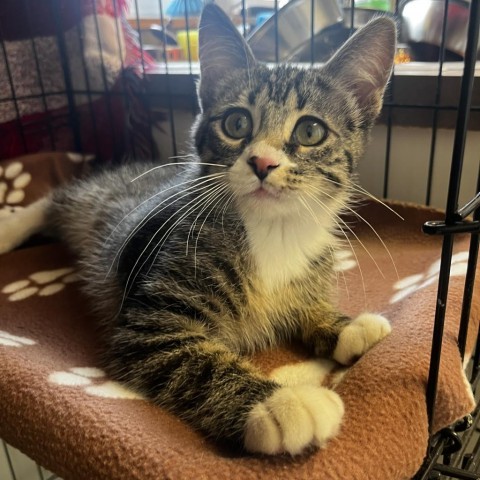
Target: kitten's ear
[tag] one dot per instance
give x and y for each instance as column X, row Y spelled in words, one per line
column 221, row 48
column 364, row 63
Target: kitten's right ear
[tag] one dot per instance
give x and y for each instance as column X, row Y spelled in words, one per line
column 221, row 48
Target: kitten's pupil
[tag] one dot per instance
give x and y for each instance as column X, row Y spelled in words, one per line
column 237, row 124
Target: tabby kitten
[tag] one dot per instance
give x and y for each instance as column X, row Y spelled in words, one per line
column 192, row 266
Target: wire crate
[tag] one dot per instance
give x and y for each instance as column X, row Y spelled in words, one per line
column 132, row 93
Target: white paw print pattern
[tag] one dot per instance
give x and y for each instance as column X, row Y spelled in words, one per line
column 408, row 285
column 92, row 381
column 344, row 260
column 13, row 181
column 79, row 158
column 43, row 284
column 9, row 340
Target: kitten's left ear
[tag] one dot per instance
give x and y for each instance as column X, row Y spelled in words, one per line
column 221, row 48
column 364, row 64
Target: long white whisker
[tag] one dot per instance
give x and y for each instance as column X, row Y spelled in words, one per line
column 359, row 189
column 155, row 210
column 333, row 215
column 354, row 234
column 194, row 223
column 309, row 210
column 197, row 201
column 224, row 209
column 332, row 252
column 219, row 195
column 176, row 164
column 379, row 238
column 196, row 179
column 217, row 213
column 371, row 228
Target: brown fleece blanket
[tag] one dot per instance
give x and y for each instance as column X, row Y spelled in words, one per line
column 58, row 408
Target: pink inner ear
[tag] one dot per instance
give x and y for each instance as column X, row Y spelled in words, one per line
column 365, row 61
column 368, row 95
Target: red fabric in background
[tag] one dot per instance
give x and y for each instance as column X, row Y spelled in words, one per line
column 22, row 19
column 102, row 124
column 101, row 127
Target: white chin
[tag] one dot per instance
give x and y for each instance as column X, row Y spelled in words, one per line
column 269, row 204
column 266, row 194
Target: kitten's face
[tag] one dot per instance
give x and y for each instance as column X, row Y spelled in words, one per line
column 290, row 137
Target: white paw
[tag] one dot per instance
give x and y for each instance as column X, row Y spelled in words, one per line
column 361, row 335
column 292, row 419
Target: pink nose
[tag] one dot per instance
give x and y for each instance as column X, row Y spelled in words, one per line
column 262, row 166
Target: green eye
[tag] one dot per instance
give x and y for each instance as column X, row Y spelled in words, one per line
column 309, row 131
column 237, row 124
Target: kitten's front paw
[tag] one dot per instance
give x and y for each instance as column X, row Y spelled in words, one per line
column 292, row 419
column 359, row 336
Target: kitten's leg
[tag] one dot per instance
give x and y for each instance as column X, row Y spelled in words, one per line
column 221, row 393
column 22, row 224
column 342, row 338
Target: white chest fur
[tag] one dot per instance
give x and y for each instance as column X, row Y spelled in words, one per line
column 282, row 248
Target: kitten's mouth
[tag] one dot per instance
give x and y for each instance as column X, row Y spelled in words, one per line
column 262, row 193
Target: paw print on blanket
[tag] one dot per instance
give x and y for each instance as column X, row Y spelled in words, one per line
column 92, row 381
column 9, row 340
column 13, row 181
column 344, row 260
column 408, row 285
column 79, row 158
column 43, row 284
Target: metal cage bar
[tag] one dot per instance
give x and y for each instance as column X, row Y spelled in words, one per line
column 39, row 73
column 168, row 80
column 454, row 223
column 438, row 91
column 62, row 48
column 452, row 204
column 87, row 80
column 13, row 98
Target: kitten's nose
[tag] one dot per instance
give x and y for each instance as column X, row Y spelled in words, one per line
column 262, row 166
